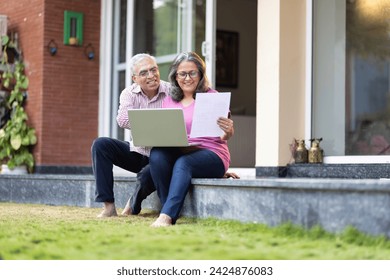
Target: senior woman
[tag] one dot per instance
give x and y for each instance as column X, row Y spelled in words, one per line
column 172, row 168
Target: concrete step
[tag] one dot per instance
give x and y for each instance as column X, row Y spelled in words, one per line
column 331, row 203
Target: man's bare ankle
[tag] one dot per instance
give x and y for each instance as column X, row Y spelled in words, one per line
column 108, row 210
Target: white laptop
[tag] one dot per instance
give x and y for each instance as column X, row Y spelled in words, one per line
column 162, row 127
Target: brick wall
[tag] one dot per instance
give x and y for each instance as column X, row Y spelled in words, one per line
column 64, row 89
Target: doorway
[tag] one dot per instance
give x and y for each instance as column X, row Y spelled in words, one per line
column 164, row 28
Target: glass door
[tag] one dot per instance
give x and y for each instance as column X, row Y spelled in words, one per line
column 162, row 28
column 351, row 80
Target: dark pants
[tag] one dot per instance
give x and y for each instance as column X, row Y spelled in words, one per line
column 107, row 152
column 172, row 170
column 143, row 189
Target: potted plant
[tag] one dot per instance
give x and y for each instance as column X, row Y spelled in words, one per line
column 16, row 137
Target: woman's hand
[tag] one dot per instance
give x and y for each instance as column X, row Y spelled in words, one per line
column 231, row 175
column 226, row 125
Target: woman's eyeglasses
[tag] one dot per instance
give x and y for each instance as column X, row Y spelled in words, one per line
column 191, row 74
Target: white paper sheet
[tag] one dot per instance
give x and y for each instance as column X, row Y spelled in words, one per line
column 208, row 108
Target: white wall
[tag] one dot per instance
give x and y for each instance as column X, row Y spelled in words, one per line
column 281, row 79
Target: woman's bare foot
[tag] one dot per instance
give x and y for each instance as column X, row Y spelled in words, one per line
column 162, row 221
column 108, row 210
column 127, row 210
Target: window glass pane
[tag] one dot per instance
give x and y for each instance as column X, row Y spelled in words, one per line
column 121, row 86
column 351, row 86
column 155, row 29
column 165, row 26
column 200, row 25
column 122, row 31
column 164, row 70
column 367, row 76
column 143, row 27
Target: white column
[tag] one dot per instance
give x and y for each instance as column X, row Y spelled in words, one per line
column 281, row 80
column 267, row 107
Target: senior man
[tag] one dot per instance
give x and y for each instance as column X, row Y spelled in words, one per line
column 147, row 91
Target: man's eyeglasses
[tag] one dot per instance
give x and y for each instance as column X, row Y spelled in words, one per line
column 145, row 73
column 192, row 74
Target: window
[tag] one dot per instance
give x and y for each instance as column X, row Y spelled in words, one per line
column 351, row 77
column 164, row 28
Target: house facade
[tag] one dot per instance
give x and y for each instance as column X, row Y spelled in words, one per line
column 297, row 69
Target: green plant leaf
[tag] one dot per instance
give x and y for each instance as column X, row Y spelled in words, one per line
column 32, row 137
column 16, row 141
column 11, row 164
column 24, row 83
column 4, row 40
column 25, row 141
column 6, row 83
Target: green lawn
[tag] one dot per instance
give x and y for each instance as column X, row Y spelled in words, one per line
column 31, row 232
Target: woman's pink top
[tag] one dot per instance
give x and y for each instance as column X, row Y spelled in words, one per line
column 214, row 144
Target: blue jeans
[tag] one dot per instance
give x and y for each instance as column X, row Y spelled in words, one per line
column 172, row 170
column 107, row 152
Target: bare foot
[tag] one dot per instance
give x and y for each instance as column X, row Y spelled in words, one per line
column 127, row 210
column 108, row 210
column 162, row 221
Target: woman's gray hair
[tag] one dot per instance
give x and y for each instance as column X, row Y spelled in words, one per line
column 136, row 59
column 203, row 85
